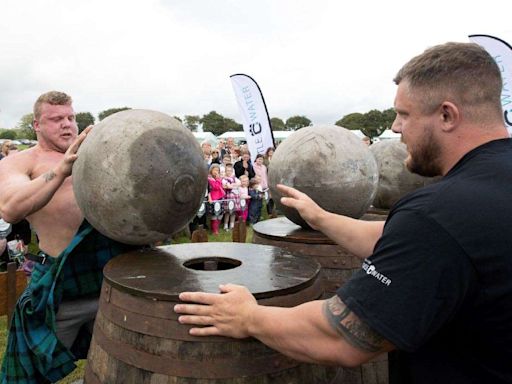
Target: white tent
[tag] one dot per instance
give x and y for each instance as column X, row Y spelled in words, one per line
column 206, row 136
column 389, row 134
column 281, row 135
column 239, row 136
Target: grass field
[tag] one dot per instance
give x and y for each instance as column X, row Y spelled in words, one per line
column 78, row 373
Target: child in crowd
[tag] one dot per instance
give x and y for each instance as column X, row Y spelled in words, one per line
column 231, row 186
column 243, row 212
column 256, row 193
column 261, row 170
column 225, row 160
column 215, row 192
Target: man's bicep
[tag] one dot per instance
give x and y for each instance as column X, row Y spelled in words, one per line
column 13, row 180
column 354, row 331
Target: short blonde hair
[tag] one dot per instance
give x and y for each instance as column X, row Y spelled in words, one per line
column 52, row 98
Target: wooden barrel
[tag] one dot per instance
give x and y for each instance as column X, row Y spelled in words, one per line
column 137, row 338
column 338, row 265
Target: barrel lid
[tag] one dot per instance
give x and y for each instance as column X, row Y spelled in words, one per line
column 285, row 230
column 164, row 272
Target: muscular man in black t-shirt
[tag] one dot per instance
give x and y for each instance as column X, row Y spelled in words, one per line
column 436, row 281
column 438, row 284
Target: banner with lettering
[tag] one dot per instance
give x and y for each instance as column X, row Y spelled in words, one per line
column 256, row 122
column 501, row 51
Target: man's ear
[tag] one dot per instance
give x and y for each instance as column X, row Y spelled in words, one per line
column 35, row 125
column 450, row 116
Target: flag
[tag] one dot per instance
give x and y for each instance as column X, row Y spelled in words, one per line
column 256, row 122
column 501, row 51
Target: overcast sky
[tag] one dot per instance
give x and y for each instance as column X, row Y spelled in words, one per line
column 322, row 59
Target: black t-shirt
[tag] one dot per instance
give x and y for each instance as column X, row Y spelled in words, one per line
column 439, row 283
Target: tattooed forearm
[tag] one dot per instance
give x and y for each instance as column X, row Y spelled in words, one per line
column 48, row 176
column 347, row 324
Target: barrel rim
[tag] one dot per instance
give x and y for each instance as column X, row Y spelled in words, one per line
column 308, row 268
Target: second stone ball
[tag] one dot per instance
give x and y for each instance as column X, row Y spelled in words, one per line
column 395, row 180
column 328, row 163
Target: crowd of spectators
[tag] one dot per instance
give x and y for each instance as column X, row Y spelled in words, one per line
column 237, row 188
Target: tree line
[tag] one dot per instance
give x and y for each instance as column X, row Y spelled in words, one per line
column 371, row 123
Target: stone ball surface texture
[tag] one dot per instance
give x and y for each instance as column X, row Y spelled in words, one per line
column 328, row 163
column 395, row 180
column 139, row 177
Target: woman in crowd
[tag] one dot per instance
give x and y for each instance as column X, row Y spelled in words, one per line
column 215, row 156
column 268, row 156
column 244, row 166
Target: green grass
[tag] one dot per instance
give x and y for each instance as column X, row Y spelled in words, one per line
column 78, row 373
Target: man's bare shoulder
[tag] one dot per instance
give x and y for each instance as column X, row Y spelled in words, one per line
column 21, row 162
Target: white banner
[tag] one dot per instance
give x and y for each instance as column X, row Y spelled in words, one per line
column 501, row 51
column 256, row 122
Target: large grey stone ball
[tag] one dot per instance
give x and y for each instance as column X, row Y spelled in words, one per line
column 328, row 163
column 139, row 177
column 395, row 180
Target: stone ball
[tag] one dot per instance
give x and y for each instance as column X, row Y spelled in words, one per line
column 140, row 176
column 328, row 163
column 395, row 180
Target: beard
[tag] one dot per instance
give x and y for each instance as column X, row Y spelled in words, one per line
column 424, row 161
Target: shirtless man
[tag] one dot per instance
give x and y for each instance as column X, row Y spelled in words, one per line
column 37, row 185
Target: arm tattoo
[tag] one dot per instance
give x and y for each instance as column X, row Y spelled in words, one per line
column 48, row 176
column 348, row 325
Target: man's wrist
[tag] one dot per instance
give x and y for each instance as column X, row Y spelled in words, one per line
column 319, row 219
column 251, row 322
column 62, row 170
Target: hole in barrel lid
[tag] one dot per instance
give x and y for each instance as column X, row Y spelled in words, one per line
column 212, row 263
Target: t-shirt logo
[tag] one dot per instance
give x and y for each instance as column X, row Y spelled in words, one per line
column 371, row 270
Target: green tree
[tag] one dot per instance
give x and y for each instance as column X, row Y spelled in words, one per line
column 178, row 118
column 25, row 127
column 192, row 122
column 373, row 124
column 111, row 111
column 26, row 121
column 277, row 124
column 83, row 120
column 352, row 121
column 389, row 116
column 8, row 134
column 213, row 122
column 231, row 125
column 297, row 122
